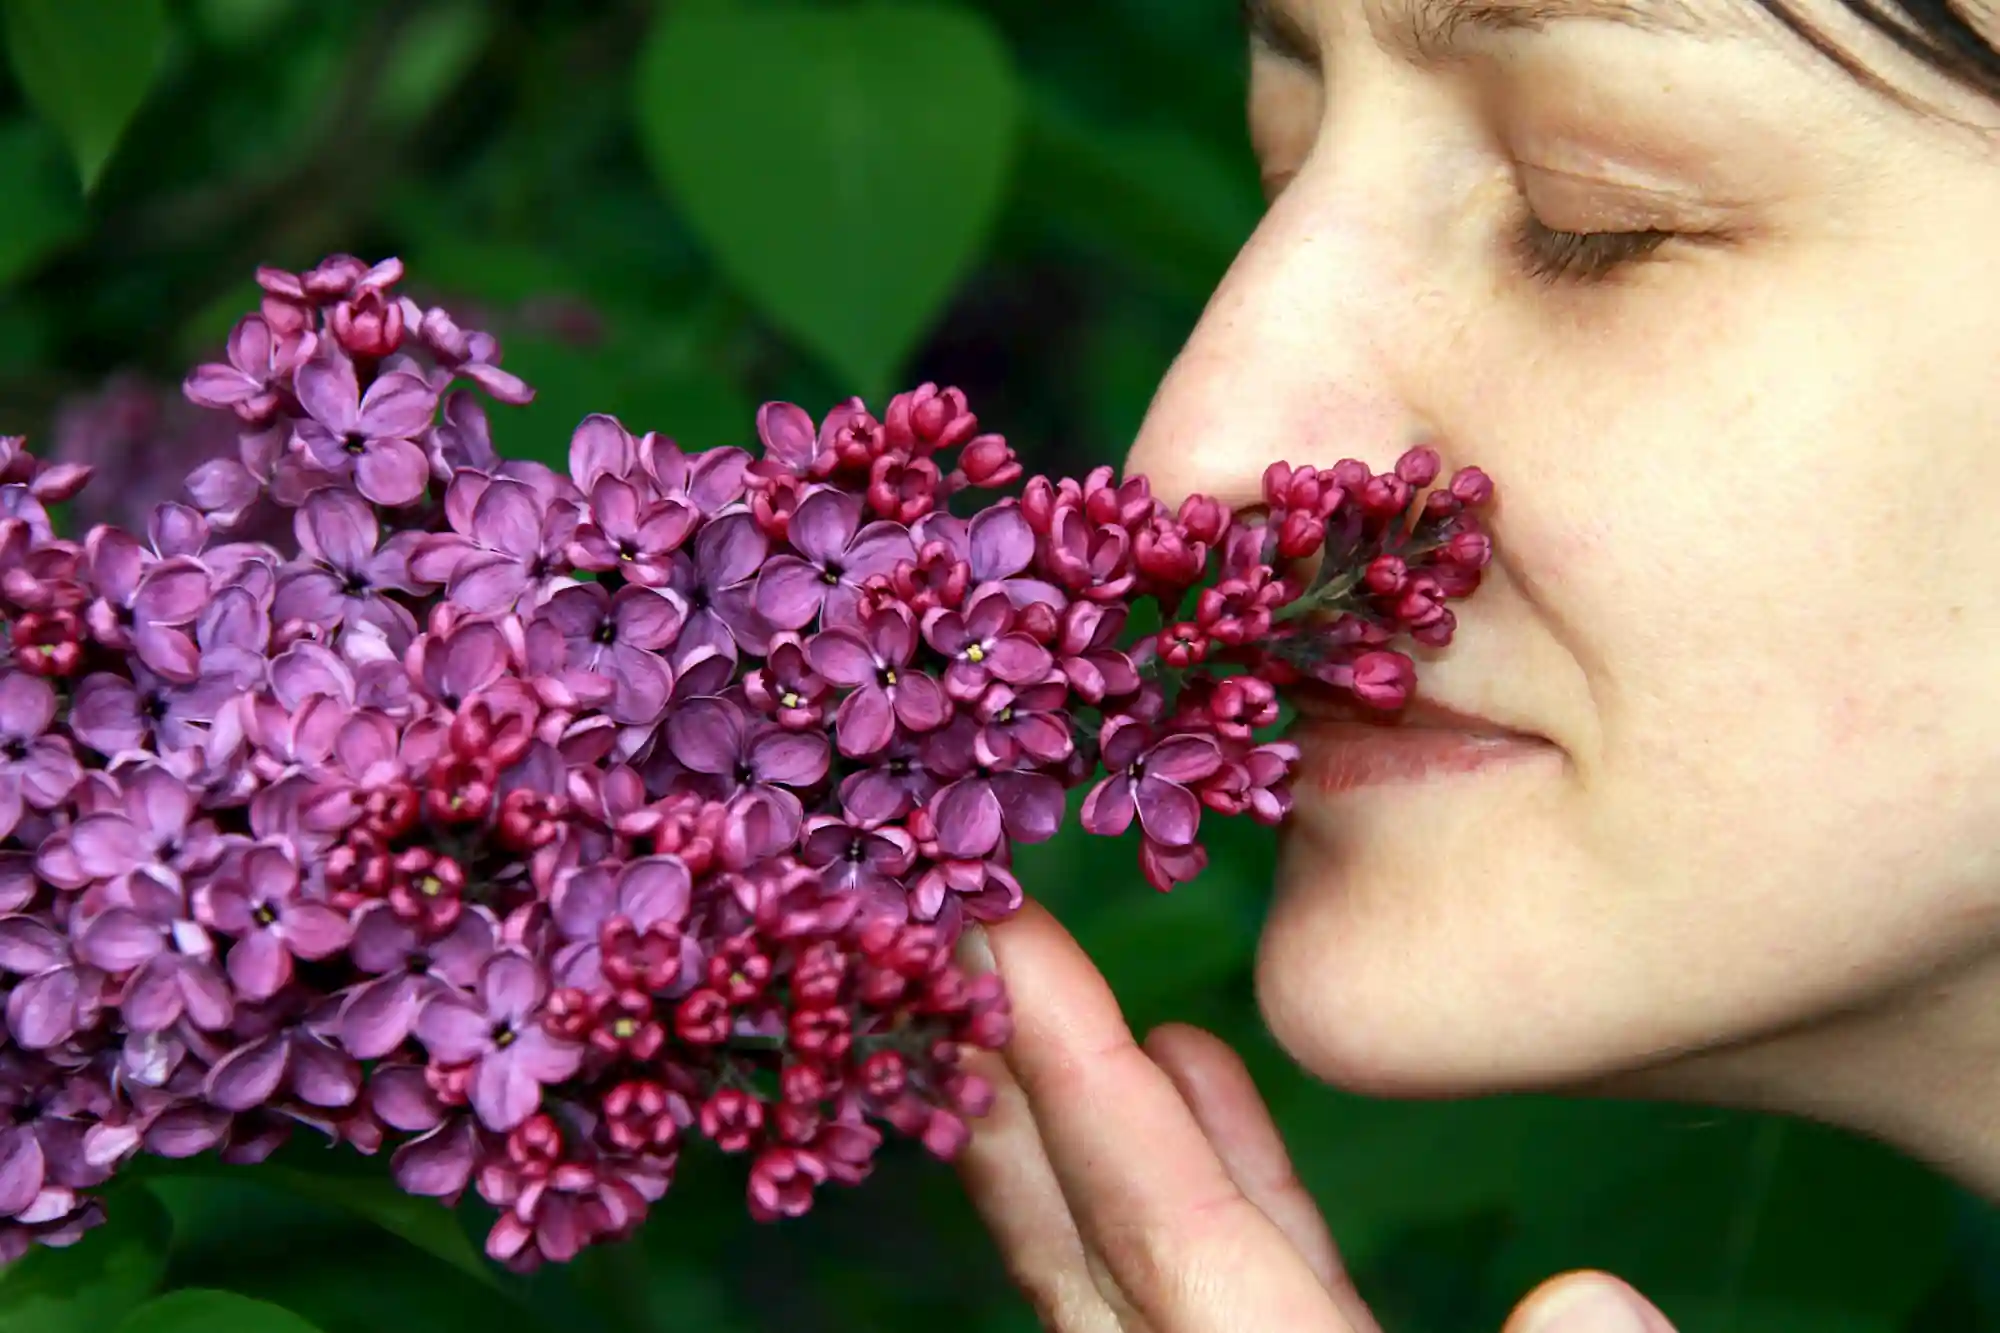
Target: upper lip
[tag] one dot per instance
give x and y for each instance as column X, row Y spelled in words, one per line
column 1421, row 712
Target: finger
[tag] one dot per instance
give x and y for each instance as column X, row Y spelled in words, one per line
column 1149, row 1194
column 1586, row 1303
column 1226, row 1104
column 1013, row 1187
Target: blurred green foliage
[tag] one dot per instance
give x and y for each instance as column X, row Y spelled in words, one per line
column 672, row 212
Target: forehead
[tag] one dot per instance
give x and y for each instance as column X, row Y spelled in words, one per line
column 1432, row 27
column 1831, row 35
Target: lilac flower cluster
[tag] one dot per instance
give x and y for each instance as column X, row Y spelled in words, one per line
column 527, row 825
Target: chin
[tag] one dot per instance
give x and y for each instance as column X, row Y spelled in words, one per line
column 1446, row 963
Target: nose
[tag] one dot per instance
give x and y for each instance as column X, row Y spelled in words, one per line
column 1296, row 357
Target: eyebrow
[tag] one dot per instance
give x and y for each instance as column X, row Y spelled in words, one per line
column 1433, row 30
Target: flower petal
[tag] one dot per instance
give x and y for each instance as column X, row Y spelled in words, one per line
column 248, row 1076
column 503, row 1093
column 968, row 819
column 823, row 525
column 865, row 722
column 1168, row 812
column 789, row 758
column 397, row 404
column 1108, row 809
column 45, row 1010
column 511, row 986
column 790, row 592
column 706, row 735
column 843, row 657
column 392, row 471
column 377, row 1018
column 655, row 889
column 1001, row 543
column 453, row 1029
column 336, row 527
column 260, row 965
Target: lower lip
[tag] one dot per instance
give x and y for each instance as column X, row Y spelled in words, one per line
column 1346, row 756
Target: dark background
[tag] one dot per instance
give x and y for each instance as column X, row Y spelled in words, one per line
column 672, row 213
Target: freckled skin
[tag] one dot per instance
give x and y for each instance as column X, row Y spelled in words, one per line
column 1745, row 579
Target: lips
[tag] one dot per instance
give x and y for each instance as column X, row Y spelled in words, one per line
column 1317, row 704
column 1344, row 746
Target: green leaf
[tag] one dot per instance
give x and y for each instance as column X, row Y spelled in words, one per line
column 197, row 1311
column 434, row 52
column 406, row 1290
column 1747, row 1225
column 424, row 1223
column 42, row 210
column 1163, row 202
column 86, row 66
column 89, row 1286
column 843, row 166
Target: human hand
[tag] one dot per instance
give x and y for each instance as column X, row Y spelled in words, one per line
column 1144, row 1189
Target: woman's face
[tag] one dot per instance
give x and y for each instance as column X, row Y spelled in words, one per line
column 1747, row 576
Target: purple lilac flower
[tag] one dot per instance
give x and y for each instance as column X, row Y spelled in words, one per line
column 58, row 995
column 713, row 736
column 896, row 783
column 144, row 602
column 717, row 584
column 348, row 572
column 999, row 546
column 639, row 909
column 618, row 637
column 252, row 381
column 37, row 770
column 1150, row 779
column 508, row 546
column 406, row 970
column 873, row 662
column 370, row 437
column 500, row 1033
column 262, row 906
column 868, row 862
column 495, row 777
column 984, row 645
column 167, row 959
column 836, row 554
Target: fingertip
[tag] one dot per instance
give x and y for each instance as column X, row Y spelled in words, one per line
column 1587, row 1301
column 1056, row 992
column 1190, row 1047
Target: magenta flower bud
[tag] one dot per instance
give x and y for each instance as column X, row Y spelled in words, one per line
column 368, row 324
column 1300, row 534
column 1419, row 467
column 1166, row 556
column 1385, row 495
column 988, row 461
column 1205, row 520
column 929, row 419
column 1469, row 550
column 1383, row 680
column 902, row 490
column 1471, row 487
column 1386, row 575
column 732, row 1119
column 1437, row 632
column 702, row 1018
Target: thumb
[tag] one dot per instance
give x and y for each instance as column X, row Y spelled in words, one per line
column 1586, row 1303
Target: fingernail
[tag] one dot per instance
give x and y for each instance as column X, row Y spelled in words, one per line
column 975, row 955
column 1595, row 1305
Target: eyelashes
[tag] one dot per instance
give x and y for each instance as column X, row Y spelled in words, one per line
column 1553, row 256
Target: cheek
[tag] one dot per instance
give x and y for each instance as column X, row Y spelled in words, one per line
column 1785, row 607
